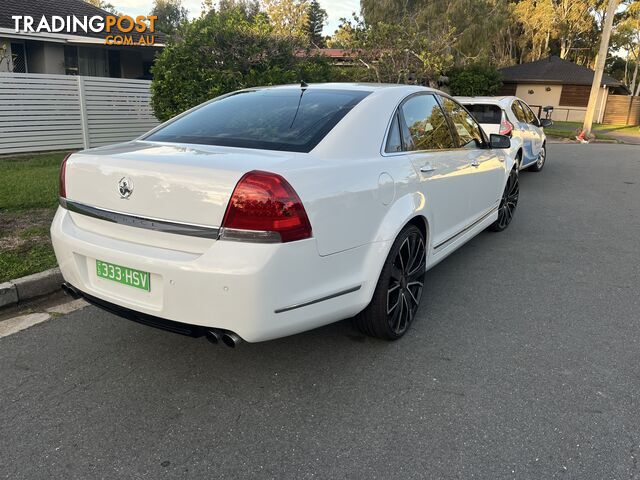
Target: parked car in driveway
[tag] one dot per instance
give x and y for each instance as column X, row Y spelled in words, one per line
column 513, row 117
column 271, row 211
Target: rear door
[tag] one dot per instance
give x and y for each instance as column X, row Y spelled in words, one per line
column 521, row 130
column 444, row 170
column 487, row 166
column 535, row 131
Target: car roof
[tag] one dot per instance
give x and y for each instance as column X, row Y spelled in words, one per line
column 362, row 86
column 502, row 101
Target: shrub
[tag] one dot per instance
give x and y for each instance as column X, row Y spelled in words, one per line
column 222, row 52
column 475, row 80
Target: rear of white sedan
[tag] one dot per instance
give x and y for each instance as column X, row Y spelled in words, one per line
column 272, row 211
column 194, row 227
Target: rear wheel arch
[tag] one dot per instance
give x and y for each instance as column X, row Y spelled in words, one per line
column 422, row 223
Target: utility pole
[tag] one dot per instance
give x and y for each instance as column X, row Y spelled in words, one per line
column 602, row 58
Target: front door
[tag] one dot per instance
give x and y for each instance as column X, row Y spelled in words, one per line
column 487, row 168
column 443, row 169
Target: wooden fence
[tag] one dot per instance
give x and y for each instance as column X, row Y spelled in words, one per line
column 622, row 110
column 59, row 112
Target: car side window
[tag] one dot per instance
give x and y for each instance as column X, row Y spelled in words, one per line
column 528, row 114
column 425, row 126
column 465, row 126
column 516, row 108
column 394, row 140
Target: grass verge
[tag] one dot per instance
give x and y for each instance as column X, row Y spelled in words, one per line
column 28, row 200
column 601, row 131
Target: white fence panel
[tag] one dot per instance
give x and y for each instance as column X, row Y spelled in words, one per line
column 58, row 112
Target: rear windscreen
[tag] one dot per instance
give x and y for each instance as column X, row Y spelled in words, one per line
column 485, row 113
column 288, row 119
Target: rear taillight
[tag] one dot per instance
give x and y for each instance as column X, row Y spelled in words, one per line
column 62, row 188
column 265, row 208
column 506, row 127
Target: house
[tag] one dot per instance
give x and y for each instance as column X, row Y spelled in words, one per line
column 561, row 84
column 77, row 53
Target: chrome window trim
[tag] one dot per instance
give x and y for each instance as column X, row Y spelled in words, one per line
column 433, row 150
column 149, row 223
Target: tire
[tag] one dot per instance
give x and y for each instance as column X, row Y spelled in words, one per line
column 399, row 289
column 542, row 158
column 508, row 203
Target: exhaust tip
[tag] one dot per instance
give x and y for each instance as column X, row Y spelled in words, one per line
column 230, row 339
column 70, row 290
column 213, row 336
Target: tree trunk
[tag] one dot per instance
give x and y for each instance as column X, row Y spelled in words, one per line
column 633, row 79
column 563, row 48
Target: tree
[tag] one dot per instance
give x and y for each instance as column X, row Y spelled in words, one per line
column 571, row 20
column 535, row 18
column 401, row 52
column 476, row 25
column 223, row 51
column 628, row 38
column 289, row 18
column 170, row 15
column 316, row 19
column 479, row 79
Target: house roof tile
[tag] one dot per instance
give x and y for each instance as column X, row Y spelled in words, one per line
column 554, row 70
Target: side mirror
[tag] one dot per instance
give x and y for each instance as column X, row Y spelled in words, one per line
column 499, row 141
column 546, row 122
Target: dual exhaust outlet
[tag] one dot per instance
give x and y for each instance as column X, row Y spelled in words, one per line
column 216, row 336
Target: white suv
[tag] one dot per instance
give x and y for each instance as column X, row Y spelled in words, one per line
column 513, row 117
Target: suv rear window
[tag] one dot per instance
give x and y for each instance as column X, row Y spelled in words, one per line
column 286, row 119
column 485, row 113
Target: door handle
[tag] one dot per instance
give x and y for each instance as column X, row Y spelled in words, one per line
column 475, row 163
column 427, row 167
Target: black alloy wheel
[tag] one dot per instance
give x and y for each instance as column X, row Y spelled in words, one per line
column 508, row 203
column 399, row 289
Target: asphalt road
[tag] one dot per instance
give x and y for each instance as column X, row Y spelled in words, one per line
column 524, row 363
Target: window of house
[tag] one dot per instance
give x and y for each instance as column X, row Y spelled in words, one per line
column 18, row 58
column 92, row 62
column 425, row 125
column 468, row 131
column 71, row 60
column 114, row 63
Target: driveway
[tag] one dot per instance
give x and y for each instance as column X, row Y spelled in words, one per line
column 524, row 363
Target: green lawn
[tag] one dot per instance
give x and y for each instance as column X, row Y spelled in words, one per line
column 601, row 131
column 28, row 200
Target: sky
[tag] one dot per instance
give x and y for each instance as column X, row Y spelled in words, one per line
column 336, row 9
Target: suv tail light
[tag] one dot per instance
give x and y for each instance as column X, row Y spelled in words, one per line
column 506, row 127
column 62, row 188
column 265, row 208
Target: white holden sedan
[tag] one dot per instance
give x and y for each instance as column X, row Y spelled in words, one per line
column 271, row 211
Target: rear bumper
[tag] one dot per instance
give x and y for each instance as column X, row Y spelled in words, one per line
column 259, row 291
column 143, row 318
